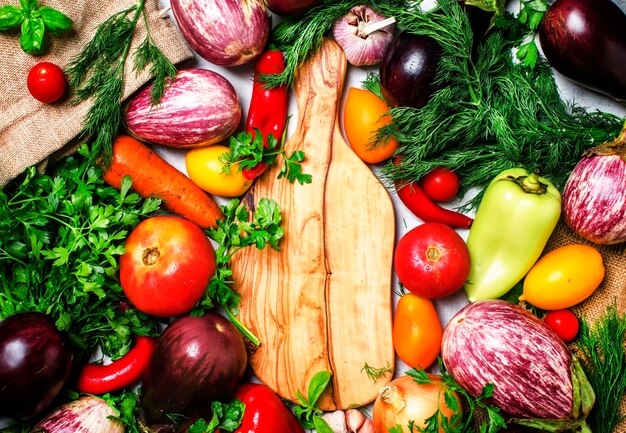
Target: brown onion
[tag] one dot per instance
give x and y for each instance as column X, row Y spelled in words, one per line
column 404, row 400
column 594, row 198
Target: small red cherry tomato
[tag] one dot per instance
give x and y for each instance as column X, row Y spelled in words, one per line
column 564, row 323
column 46, row 82
column 441, row 184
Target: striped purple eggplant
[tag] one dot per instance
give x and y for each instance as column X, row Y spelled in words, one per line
column 594, row 198
column 537, row 381
column 199, row 108
column 224, row 32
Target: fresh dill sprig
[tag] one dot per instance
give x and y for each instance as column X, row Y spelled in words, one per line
column 299, row 39
column 98, row 71
column 604, row 361
column 489, row 114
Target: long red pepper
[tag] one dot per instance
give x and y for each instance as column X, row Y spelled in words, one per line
column 428, row 211
column 268, row 107
column 100, row 379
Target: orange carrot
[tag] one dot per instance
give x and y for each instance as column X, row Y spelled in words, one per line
column 152, row 176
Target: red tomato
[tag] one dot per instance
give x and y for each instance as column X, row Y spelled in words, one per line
column 564, row 323
column 167, row 266
column 46, row 82
column 441, row 184
column 432, row 260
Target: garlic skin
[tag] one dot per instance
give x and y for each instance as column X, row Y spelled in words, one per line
column 88, row 414
column 336, row 421
column 367, row 427
column 364, row 35
column 354, row 420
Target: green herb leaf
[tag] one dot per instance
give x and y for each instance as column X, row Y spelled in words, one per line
column 308, row 412
column 28, row 6
column 10, row 16
column 55, row 21
column 321, row 426
column 317, row 385
column 225, row 417
column 31, row 39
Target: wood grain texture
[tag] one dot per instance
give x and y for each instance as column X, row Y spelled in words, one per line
column 324, row 302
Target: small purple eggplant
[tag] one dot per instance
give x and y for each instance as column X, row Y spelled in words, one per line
column 537, row 381
column 585, row 40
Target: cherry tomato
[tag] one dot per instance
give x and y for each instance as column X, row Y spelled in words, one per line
column 205, row 169
column 362, row 117
column 46, row 82
column 564, row 323
column 167, row 266
column 563, row 277
column 417, row 331
column 432, row 260
column 441, row 184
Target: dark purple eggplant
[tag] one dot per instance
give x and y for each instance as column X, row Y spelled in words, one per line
column 290, row 7
column 585, row 40
column 35, row 362
column 198, row 360
column 408, row 70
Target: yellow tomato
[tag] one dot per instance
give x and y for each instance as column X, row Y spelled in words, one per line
column 362, row 117
column 205, row 170
column 564, row 277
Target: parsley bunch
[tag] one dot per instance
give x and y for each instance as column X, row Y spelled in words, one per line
column 60, row 238
column 34, row 20
column 247, row 150
column 236, row 230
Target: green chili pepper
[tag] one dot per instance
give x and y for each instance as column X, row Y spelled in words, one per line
column 513, row 223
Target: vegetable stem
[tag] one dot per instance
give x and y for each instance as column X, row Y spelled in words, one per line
column 242, row 328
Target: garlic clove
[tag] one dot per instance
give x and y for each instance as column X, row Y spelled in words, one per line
column 336, row 421
column 88, row 414
column 354, row 420
column 367, row 427
column 364, row 35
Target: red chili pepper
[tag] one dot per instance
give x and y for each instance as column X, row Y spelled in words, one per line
column 265, row 411
column 268, row 107
column 428, row 211
column 100, row 379
column 254, row 172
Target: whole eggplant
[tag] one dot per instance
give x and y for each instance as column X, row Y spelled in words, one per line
column 537, row 381
column 197, row 360
column 585, row 40
column 224, row 32
column 199, row 108
column 35, row 362
column 408, row 70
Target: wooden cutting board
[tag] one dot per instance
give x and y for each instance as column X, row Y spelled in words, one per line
column 324, row 301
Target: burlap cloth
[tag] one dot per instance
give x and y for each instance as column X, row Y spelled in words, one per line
column 29, row 130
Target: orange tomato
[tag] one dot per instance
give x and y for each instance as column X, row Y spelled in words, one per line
column 564, row 277
column 417, row 331
column 362, row 117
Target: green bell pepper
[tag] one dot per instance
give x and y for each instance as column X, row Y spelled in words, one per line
column 513, row 223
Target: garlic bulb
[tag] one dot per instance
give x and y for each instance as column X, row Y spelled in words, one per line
column 86, row 415
column 364, row 35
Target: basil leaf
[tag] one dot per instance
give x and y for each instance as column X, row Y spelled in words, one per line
column 10, row 16
column 321, row 426
column 55, row 21
column 28, row 6
column 32, row 35
column 317, row 385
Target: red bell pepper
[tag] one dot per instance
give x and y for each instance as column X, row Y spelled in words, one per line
column 265, row 411
column 100, row 379
column 268, row 107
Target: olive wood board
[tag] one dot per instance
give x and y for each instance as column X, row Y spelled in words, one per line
column 324, row 301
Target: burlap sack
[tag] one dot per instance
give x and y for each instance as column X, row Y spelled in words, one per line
column 29, row 130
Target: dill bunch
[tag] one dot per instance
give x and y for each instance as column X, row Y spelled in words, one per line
column 490, row 113
column 98, row 71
